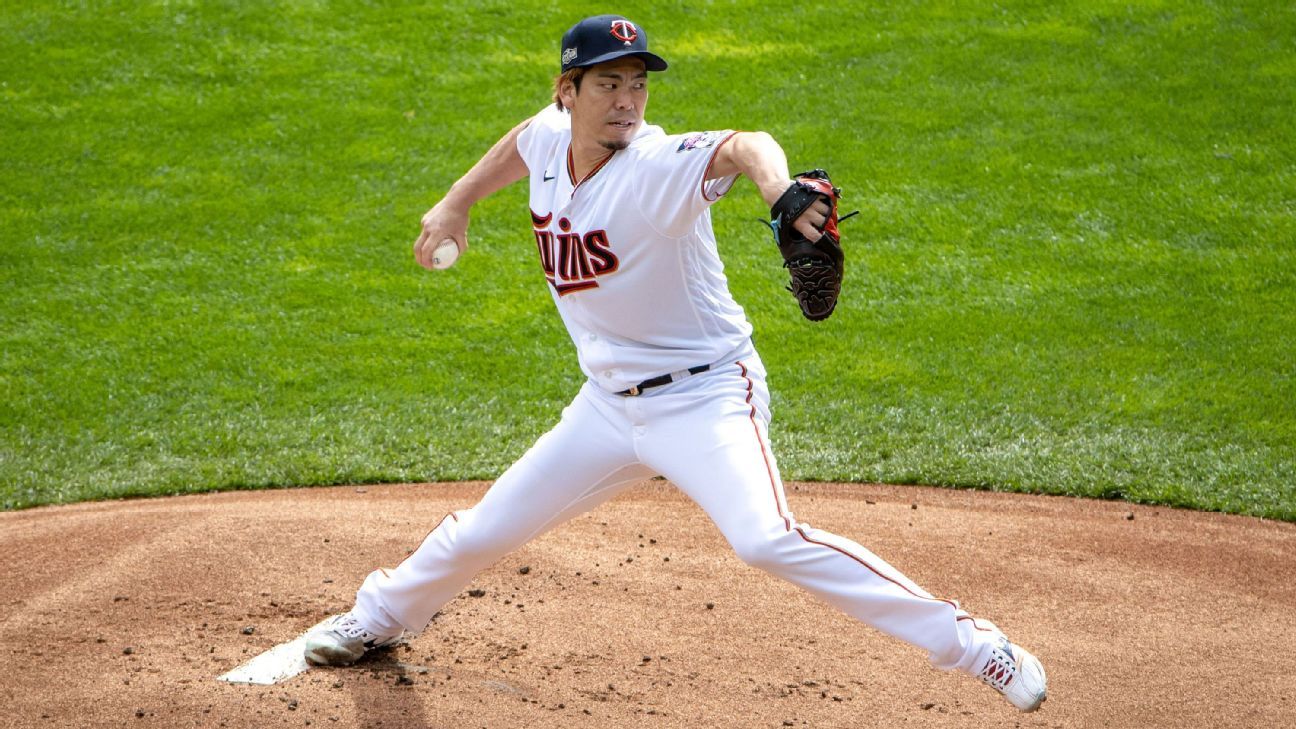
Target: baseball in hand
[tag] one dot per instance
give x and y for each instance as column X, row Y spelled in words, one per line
column 445, row 254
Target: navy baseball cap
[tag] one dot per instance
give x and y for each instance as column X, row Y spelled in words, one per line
column 604, row 38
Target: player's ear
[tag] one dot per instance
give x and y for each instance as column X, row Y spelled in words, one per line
column 567, row 86
column 567, row 92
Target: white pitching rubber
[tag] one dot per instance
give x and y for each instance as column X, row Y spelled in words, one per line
column 277, row 664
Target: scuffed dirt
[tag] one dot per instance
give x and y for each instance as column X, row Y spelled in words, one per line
column 123, row 613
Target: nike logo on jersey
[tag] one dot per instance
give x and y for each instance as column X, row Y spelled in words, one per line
column 572, row 261
column 549, row 177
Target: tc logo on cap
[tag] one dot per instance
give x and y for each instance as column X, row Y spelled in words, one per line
column 624, row 31
column 603, row 39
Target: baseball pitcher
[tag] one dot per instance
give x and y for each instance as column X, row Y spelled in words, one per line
column 620, row 212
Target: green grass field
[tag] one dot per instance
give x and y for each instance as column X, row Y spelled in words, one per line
column 1075, row 271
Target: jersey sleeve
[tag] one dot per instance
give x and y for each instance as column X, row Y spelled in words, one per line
column 670, row 179
column 536, row 142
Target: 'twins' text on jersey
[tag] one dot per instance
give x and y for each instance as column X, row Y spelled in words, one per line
column 572, row 261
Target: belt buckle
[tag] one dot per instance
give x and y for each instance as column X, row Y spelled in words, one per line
column 633, row 391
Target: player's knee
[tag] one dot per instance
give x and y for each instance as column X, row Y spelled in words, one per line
column 759, row 551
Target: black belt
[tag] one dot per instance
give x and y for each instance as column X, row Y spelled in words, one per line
column 664, row 380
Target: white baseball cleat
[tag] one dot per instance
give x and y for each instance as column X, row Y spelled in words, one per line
column 1019, row 676
column 341, row 641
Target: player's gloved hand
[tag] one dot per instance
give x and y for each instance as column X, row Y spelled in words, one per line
column 804, row 221
column 810, row 224
column 444, row 221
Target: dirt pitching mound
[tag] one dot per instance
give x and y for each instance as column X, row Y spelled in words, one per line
column 637, row 614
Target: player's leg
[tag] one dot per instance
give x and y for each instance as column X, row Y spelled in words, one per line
column 582, row 462
column 708, row 436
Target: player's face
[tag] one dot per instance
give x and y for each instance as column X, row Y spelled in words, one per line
column 610, row 105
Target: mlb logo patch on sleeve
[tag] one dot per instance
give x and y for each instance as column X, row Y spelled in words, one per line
column 700, row 140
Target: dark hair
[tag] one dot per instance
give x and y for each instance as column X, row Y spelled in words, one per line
column 572, row 74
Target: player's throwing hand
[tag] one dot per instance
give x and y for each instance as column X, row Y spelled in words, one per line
column 441, row 224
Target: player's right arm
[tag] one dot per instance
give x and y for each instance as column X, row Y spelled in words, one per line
column 498, row 168
column 758, row 156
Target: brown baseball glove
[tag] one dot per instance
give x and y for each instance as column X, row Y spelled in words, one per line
column 816, row 267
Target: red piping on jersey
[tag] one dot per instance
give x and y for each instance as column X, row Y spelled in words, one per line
column 787, row 521
column 714, row 153
column 571, row 174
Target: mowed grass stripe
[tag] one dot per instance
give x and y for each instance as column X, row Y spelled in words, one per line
column 1073, row 272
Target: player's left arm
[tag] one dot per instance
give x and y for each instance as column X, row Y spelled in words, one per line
column 760, row 158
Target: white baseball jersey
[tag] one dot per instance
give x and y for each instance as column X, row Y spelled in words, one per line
column 629, row 253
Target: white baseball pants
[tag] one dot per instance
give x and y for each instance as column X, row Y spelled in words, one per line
column 707, row 435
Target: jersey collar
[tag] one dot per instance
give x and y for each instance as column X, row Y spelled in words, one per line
column 571, row 174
